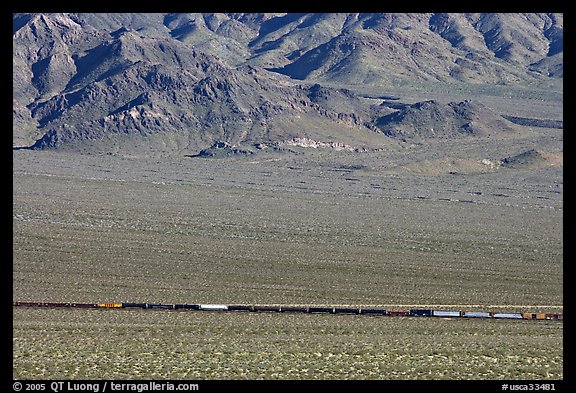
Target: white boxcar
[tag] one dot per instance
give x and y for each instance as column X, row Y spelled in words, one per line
column 476, row 314
column 508, row 315
column 213, row 307
column 437, row 313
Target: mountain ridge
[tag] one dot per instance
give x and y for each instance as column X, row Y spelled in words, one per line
column 190, row 80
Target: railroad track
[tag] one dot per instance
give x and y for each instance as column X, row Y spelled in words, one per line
column 413, row 312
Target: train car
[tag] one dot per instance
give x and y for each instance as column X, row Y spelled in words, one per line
column 109, row 305
column 240, row 308
column 446, row 314
column 420, row 313
column 293, row 309
column 372, row 311
column 157, row 306
column 28, row 304
column 507, row 315
column 186, row 307
column 398, row 313
column 84, row 305
column 476, row 314
column 529, row 315
column 133, row 305
column 554, row 317
column 53, row 304
column 345, row 310
column 213, row 307
column 266, row 308
column 320, row 309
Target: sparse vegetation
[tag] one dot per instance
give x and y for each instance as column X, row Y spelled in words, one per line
column 111, row 344
column 147, row 230
column 322, row 227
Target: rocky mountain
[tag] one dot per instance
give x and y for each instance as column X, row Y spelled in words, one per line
column 179, row 83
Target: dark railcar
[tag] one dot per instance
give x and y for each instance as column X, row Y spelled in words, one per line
column 266, row 308
column 186, row 307
column 52, row 304
column 346, row 310
column 240, row 308
column 84, row 305
column 154, row 306
column 372, row 311
column 293, row 309
column 133, row 305
column 398, row 313
column 421, row 313
column 320, row 309
column 29, row 304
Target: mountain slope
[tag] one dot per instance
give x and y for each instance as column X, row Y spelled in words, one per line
column 178, row 83
column 482, row 48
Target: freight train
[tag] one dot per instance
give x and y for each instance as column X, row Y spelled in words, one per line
column 306, row 309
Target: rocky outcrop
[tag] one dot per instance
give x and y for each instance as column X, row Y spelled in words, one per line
column 430, row 119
